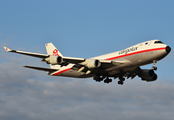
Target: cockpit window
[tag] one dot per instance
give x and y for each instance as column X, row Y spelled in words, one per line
column 158, row 42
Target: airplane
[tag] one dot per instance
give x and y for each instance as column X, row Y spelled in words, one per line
column 121, row 64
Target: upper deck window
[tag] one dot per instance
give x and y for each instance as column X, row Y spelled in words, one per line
column 158, row 42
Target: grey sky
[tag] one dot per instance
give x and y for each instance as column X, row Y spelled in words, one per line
column 27, row 94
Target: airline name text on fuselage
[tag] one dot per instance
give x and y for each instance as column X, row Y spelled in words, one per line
column 128, row 50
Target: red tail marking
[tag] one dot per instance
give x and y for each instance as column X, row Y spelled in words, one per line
column 55, row 52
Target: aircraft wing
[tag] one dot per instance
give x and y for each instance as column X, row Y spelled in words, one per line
column 27, row 53
column 81, row 64
column 42, row 68
column 67, row 59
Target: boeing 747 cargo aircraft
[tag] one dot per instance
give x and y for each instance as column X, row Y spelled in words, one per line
column 122, row 64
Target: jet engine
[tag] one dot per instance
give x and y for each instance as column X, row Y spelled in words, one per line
column 148, row 75
column 54, row 60
column 93, row 64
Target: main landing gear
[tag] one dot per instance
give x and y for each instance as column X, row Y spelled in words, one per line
column 97, row 78
column 121, row 80
column 106, row 79
column 154, row 63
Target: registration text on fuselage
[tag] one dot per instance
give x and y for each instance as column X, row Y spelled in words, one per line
column 128, row 50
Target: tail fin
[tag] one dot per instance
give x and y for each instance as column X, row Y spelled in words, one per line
column 52, row 50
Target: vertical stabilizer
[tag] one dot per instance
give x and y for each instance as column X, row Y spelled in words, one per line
column 52, row 50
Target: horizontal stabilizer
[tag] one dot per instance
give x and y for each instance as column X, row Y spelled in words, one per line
column 42, row 68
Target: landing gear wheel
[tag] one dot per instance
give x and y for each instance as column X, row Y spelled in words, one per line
column 107, row 80
column 97, row 78
column 123, row 79
column 154, row 68
column 110, row 80
column 120, row 82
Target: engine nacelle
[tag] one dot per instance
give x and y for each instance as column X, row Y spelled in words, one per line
column 148, row 75
column 54, row 60
column 93, row 64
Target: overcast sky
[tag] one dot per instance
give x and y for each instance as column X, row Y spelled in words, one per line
column 83, row 29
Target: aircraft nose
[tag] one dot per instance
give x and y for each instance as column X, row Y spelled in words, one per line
column 168, row 49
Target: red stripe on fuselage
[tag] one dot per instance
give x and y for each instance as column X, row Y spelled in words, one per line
column 135, row 53
column 149, row 50
column 62, row 71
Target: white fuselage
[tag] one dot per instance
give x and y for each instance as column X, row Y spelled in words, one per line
column 138, row 55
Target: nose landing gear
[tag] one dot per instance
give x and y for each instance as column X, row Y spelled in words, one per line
column 154, row 63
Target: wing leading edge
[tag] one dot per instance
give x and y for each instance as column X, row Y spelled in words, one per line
column 27, row 53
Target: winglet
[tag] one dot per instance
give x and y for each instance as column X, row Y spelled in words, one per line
column 7, row 49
